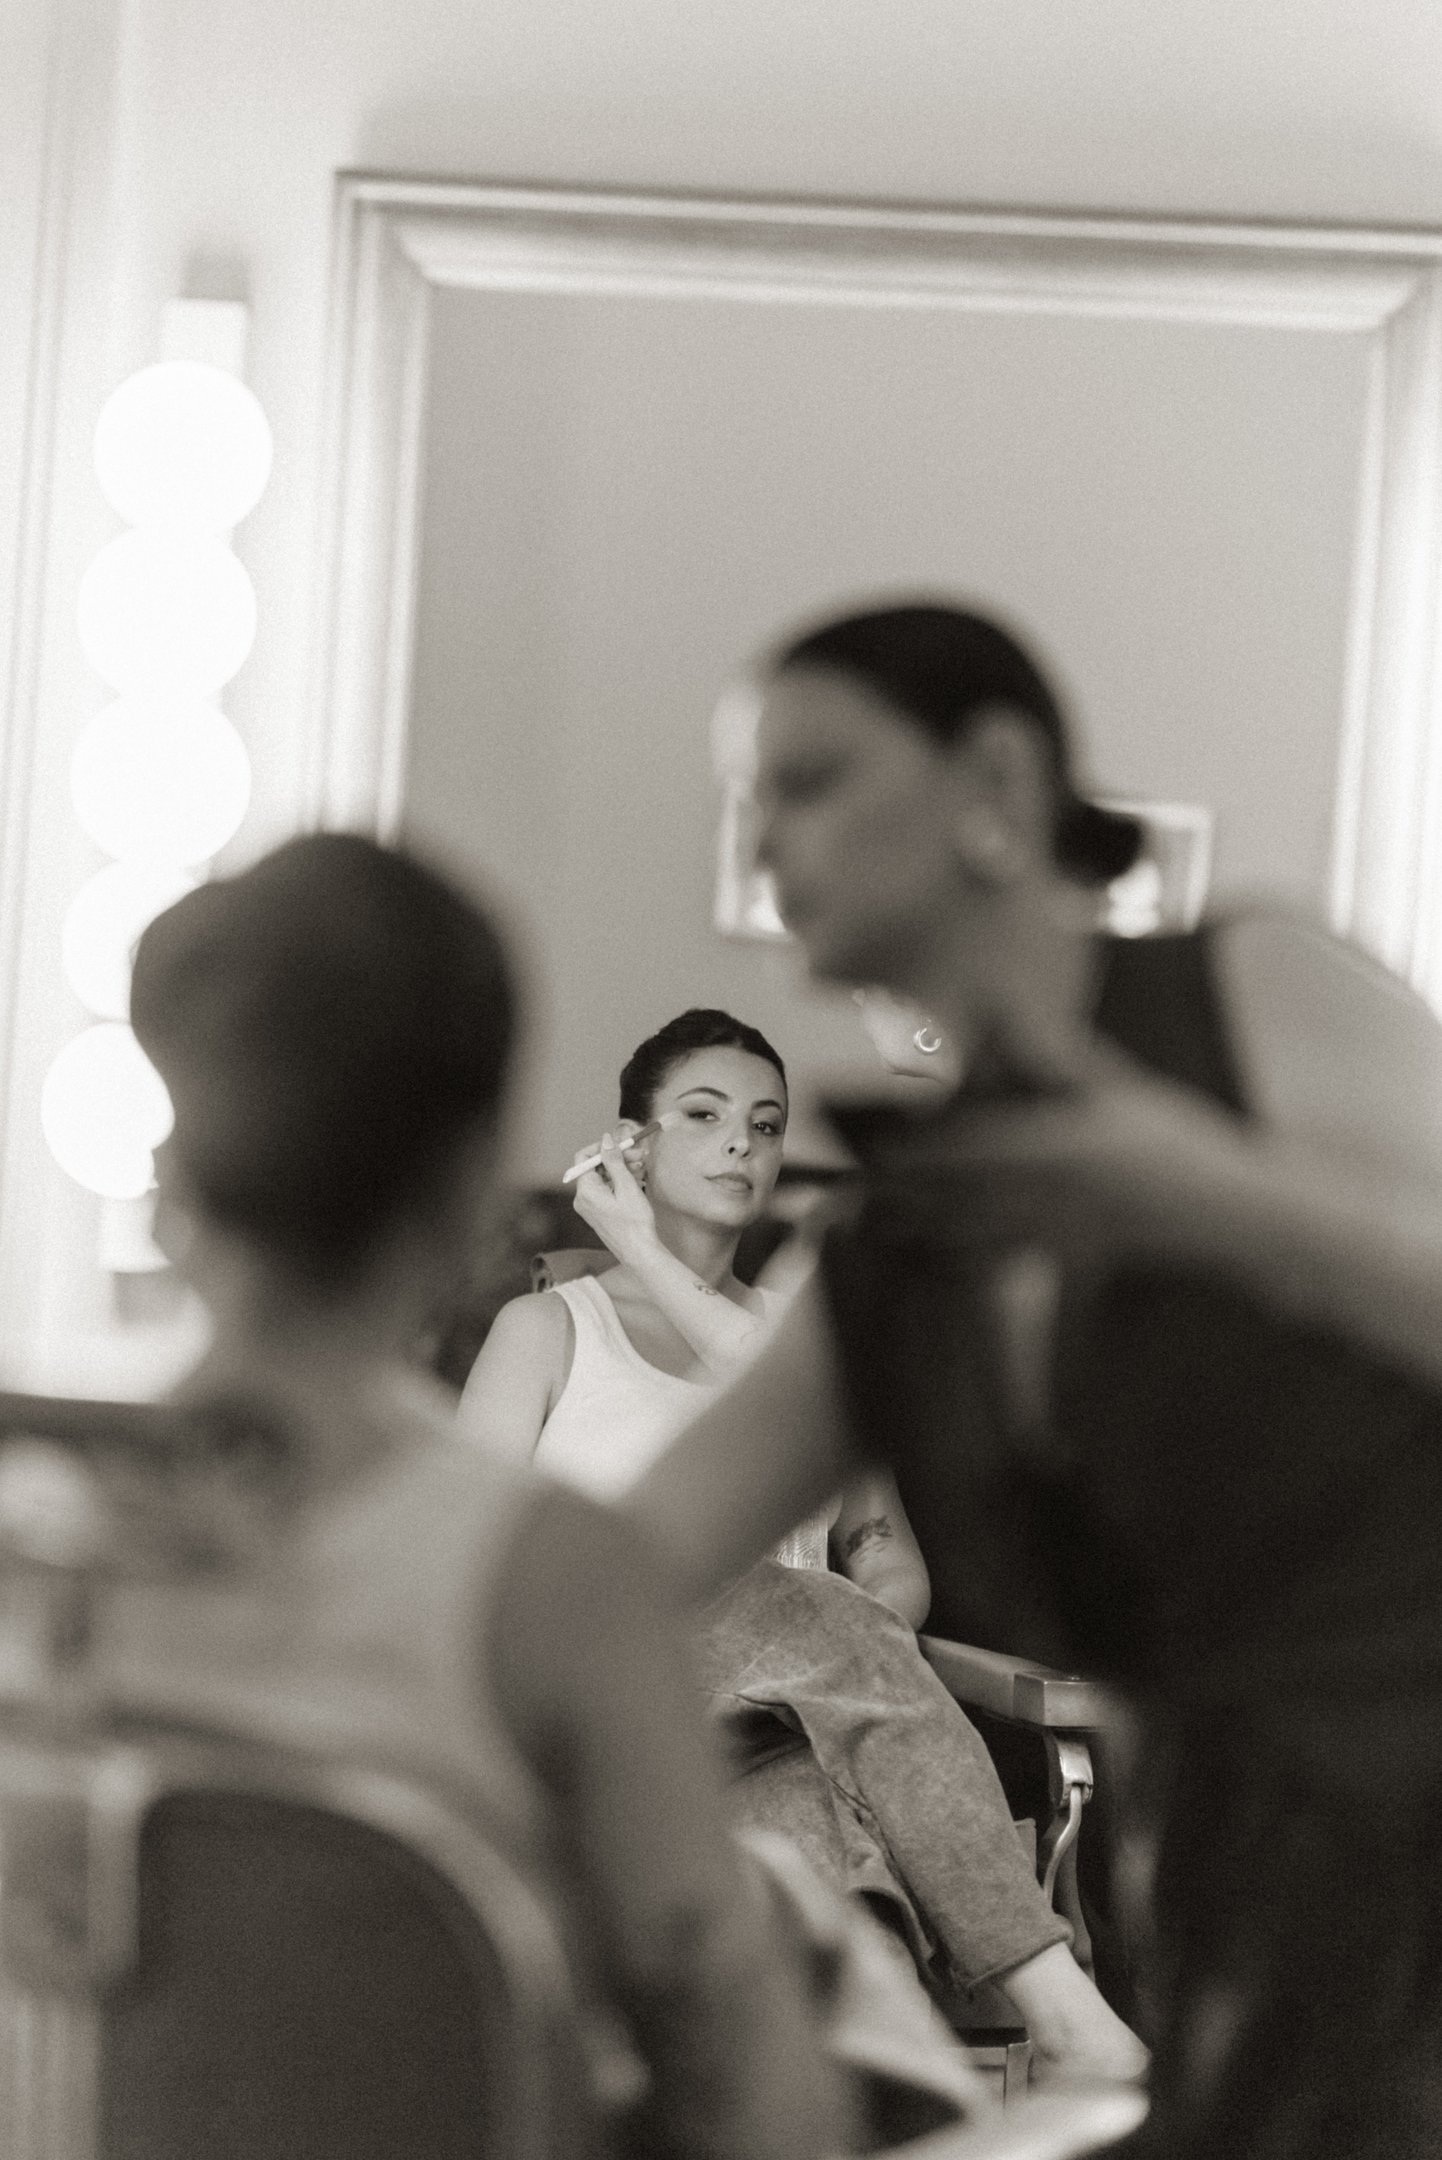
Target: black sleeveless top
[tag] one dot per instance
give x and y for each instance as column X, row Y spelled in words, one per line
column 1226, row 1508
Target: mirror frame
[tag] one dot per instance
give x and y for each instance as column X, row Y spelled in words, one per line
column 398, row 240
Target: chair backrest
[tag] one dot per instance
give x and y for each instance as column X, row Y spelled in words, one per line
column 568, row 1265
column 212, row 1945
column 214, row 1949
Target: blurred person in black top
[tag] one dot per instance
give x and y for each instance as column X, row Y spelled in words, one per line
column 1160, row 1381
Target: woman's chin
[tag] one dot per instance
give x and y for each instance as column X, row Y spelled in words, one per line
column 734, row 1209
column 711, row 1211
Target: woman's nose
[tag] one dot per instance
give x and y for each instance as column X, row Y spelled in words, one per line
column 739, row 1144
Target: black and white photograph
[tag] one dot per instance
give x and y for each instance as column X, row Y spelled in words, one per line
column 720, row 1080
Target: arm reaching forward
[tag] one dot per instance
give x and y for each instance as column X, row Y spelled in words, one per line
column 770, row 1450
column 595, row 1691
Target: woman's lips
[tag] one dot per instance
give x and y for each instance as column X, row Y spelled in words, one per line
column 733, row 1179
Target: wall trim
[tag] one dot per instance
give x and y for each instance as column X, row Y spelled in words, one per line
column 51, row 1293
column 34, row 426
column 397, row 241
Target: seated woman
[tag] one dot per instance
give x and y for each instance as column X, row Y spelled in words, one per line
column 334, row 1027
column 845, row 1736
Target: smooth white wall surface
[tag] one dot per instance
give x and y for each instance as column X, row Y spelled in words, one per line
column 203, row 138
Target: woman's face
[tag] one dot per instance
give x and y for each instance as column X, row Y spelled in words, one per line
column 857, row 824
column 718, row 1161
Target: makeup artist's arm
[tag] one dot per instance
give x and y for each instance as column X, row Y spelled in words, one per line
column 722, row 1333
column 1152, row 1169
column 590, row 1674
column 872, row 1540
column 1334, row 1243
column 770, row 1450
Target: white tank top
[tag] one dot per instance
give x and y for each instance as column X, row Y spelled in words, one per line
column 618, row 1412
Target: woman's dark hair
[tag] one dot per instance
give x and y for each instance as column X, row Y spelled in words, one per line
column 942, row 666
column 701, row 1028
column 330, row 1025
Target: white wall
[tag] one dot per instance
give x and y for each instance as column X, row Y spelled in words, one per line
column 197, row 143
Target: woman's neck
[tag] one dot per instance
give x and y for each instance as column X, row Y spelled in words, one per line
column 346, row 1406
column 1021, row 1002
column 342, row 1359
column 707, row 1249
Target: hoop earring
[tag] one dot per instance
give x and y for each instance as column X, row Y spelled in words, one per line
column 927, row 1039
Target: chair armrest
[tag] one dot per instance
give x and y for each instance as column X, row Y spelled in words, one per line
column 1017, row 1688
column 1062, row 1708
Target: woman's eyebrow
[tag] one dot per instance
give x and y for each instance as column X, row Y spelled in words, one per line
column 765, row 1102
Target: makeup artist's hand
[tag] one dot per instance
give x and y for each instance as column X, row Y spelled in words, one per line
column 611, row 1197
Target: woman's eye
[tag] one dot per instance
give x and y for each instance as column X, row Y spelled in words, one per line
column 764, row 1125
column 700, row 1115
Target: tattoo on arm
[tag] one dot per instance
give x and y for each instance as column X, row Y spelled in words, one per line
column 876, row 1530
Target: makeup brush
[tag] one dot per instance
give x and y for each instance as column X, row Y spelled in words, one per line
column 592, row 1162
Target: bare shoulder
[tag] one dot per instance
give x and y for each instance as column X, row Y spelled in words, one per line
column 527, row 1353
column 539, row 1319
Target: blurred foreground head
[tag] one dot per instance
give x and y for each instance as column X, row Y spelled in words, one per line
column 916, row 776
column 335, row 1027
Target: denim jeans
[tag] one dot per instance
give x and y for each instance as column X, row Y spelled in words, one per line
column 842, row 1736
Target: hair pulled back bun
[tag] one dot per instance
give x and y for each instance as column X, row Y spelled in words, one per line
column 702, row 1027
column 942, row 666
column 330, row 1024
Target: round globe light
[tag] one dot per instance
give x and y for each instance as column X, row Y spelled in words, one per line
column 164, row 617
column 102, row 924
column 184, row 447
column 169, row 781
column 104, row 1110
